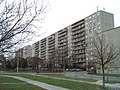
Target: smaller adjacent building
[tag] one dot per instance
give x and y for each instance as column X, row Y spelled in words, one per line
column 27, row 51
column 113, row 36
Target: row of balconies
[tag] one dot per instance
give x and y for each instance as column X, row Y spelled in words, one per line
column 51, row 45
column 42, row 50
column 62, row 42
column 51, row 37
column 78, row 27
column 62, row 45
column 78, row 30
column 52, row 41
column 43, row 40
column 78, row 36
column 78, row 48
column 43, row 44
column 62, row 37
column 36, row 48
column 78, row 39
column 43, row 53
column 62, row 31
column 62, row 34
column 51, row 50
column 79, row 55
column 78, row 51
column 78, row 23
column 78, row 43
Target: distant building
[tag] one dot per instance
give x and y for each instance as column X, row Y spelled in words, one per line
column 27, row 51
column 24, row 52
column 19, row 53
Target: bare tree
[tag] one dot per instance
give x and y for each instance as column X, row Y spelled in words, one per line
column 19, row 20
column 62, row 58
column 103, row 52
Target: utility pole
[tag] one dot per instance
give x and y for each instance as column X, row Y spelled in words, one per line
column 17, row 64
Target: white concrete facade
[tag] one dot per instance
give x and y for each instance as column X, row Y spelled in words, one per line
column 96, row 23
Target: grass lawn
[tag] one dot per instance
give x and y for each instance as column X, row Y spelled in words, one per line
column 7, row 83
column 63, row 83
column 60, row 75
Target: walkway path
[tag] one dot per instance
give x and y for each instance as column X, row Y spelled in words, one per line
column 37, row 83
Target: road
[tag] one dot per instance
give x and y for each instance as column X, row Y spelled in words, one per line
column 84, row 74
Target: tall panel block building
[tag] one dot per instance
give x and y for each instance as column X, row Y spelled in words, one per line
column 68, row 47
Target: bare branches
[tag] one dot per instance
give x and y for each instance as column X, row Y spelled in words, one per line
column 19, row 18
column 104, row 51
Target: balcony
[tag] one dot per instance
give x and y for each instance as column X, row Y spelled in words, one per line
column 62, row 34
column 78, row 39
column 62, row 31
column 78, row 28
column 78, row 35
column 79, row 22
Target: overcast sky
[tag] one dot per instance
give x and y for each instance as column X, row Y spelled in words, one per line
column 63, row 13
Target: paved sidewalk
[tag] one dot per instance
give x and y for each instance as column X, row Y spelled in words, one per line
column 37, row 83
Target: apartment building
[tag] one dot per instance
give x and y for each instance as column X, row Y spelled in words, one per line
column 68, row 47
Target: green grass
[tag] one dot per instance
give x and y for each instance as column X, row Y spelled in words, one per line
column 60, row 75
column 63, row 83
column 7, row 83
column 9, row 80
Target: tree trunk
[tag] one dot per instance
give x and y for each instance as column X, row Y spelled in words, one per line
column 103, row 73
